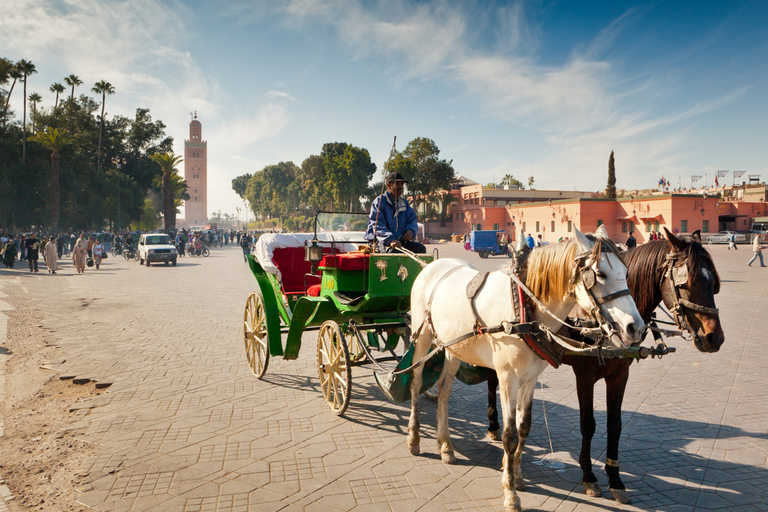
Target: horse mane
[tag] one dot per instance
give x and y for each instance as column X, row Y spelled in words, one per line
column 551, row 267
column 645, row 265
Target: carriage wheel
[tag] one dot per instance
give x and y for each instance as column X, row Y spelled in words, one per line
column 334, row 367
column 255, row 335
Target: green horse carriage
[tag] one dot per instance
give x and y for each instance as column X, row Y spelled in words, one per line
column 322, row 281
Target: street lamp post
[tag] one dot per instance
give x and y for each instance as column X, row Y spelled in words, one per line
column 118, row 164
column 238, row 216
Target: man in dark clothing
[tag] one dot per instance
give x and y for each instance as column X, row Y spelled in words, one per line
column 631, row 242
column 392, row 221
column 33, row 250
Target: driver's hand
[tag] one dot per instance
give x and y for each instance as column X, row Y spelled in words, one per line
column 395, row 244
column 408, row 235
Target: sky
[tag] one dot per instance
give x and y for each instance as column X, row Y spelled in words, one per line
column 532, row 88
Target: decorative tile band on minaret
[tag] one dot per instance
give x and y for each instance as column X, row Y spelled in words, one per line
column 196, row 175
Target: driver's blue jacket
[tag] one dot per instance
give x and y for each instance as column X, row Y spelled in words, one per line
column 393, row 219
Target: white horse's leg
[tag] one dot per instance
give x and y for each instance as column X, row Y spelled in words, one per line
column 444, row 388
column 524, row 404
column 420, row 349
column 508, row 392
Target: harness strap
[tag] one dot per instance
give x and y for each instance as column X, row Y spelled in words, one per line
column 701, row 309
column 612, row 296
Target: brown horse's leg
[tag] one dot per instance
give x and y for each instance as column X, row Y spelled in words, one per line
column 585, row 389
column 493, row 412
column 615, row 385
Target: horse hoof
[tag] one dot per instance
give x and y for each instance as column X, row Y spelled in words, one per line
column 621, row 495
column 592, row 489
column 512, row 505
column 414, row 449
column 493, row 435
column 448, row 457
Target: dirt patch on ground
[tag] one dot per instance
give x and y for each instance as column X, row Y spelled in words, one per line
column 39, row 455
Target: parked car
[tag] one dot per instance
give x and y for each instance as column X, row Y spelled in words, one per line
column 156, row 247
column 723, row 237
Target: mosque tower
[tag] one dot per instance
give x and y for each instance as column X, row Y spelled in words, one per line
column 196, row 175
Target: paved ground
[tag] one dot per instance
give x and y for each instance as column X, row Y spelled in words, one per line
column 187, row 428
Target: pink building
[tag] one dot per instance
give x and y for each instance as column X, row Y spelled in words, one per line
column 196, row 175
column 556, row 218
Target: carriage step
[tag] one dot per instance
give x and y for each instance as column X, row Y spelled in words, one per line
column 349, row 298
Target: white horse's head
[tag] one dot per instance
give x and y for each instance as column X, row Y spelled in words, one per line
column 600, row 286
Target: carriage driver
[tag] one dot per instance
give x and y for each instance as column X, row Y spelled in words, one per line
column 394, row 219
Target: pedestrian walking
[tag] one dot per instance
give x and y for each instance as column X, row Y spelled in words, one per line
column 33, row 251
column 78, row 255
column 757, row 251
column 9, row 254
column 246, row 246
column 98, row 253
column 51, row 255
column 732, row 242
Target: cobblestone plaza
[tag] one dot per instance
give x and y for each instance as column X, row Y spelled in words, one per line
column 186, row 427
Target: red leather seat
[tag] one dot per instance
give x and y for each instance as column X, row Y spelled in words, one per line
column 346, row 261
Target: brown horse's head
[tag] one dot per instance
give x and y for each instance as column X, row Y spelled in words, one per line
column 691, row 285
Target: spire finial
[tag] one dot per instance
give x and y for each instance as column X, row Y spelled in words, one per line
column 195, row 114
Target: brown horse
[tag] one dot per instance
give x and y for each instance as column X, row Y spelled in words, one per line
column 677, row 271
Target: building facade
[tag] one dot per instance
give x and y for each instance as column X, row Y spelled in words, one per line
column 196, row 176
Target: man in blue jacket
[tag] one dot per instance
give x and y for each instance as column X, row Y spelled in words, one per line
column 393, row 219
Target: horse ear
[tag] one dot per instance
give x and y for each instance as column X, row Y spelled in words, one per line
column 521, row 243
column 696, row 235
column 676, row 243
column 584, row 243
column 600, row 232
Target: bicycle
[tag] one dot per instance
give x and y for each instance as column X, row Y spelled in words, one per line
column 131, row 253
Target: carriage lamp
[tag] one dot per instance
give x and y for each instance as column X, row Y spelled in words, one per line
column 314, row 252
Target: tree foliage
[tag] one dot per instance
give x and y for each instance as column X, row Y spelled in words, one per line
column 610, row 189
column 88, row 199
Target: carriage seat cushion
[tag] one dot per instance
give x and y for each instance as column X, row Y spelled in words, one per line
column 314, row 290
column 346, row 261
column 293, row 267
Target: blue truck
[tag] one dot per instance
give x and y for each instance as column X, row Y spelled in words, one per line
column 486, row 243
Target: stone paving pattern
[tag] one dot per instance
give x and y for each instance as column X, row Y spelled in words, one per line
column 186, row 427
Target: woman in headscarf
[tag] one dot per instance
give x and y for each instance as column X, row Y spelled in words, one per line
column 78, row 255
column 51, row 255
column 9, row 255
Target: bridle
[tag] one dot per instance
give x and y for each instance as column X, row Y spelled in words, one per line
column 675, row 271
column 586, row 275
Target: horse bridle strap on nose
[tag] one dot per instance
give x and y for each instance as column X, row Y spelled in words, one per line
column 678, row 275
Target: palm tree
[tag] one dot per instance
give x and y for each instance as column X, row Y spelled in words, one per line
column 58, row 89
column 167, row 162
column 26, row 68
column 74, row 81
column 34, row 98
column 14, row 73
column 102, row 88
column 55, row 140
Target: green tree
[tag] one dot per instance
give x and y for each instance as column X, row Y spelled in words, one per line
column 240, row 184
column 149, row 219
column 530, row 181
column 348, row 169
column 58, row 89
column 27, row 69
column 511, row 182
column 102, row 88
column 34, row 99
column 610, row 189
column 13, row 72
column 55, row 141
column 167, row 163
column 428, row 175
column 73, row 81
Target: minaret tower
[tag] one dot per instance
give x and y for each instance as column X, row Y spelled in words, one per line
column 196, row 175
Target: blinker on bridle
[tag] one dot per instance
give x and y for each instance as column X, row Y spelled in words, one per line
column 678, row 276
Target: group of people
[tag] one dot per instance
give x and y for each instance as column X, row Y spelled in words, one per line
column 29, row 247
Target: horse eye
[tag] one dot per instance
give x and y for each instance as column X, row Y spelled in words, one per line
column 600, row 275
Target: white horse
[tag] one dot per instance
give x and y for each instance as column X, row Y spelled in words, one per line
column 579, row 271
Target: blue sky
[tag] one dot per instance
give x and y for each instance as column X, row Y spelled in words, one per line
column 545, row 88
